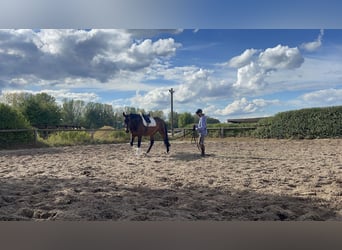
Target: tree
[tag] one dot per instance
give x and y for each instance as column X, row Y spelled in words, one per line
column 72, row 112
column 157, row 113
column 107, row 115
column 185, row 119
column 97, row 115
column 212, row 120
column 175, row 120
column 41, row 109
column 130, row 110
column 15, row 100
column 11, row 118
column 118, row 119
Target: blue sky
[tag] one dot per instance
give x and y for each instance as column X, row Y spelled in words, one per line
column 267, row 62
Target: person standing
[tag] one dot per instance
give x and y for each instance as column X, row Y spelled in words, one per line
column 201, row 129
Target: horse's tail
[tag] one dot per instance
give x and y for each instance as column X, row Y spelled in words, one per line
column 166, row 139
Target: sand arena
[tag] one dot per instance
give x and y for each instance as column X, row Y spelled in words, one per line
column 241, row 179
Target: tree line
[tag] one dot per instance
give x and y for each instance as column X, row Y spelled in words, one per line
column 42, row 109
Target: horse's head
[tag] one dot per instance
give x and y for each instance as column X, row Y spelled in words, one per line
column 127, row 122
column 132, row 122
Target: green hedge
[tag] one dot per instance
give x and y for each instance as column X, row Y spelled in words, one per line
column 305, row 123
column 11, row 118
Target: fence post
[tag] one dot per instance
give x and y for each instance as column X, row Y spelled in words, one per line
column 35, row 132
column 222, row 132
column 92, row 132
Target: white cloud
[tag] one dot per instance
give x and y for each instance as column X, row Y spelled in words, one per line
column 313, row 46
column 243, row 59
column 59, row 95
column 196, row 87
column 145, row 53
column 65, row 93
column 254, row 70
column 243, row 106
column 250, row 77
column 199, row 87
column 280, row 57
column 325, row 97
column 194, row 82
column 135, row 60
column 56, row 55
column 155, row 99
column 315, row 73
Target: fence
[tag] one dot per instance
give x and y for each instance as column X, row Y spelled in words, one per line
column 218, row 132
column 178, row 133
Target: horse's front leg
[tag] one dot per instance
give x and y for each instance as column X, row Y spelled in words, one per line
column 151, row 144
column 139, row 141
column 139, row 144
column 132, row 140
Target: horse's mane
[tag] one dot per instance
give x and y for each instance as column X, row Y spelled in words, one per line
column 135, row 121
column 132, row 115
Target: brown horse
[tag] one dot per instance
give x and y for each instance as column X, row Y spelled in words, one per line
column 134, row 124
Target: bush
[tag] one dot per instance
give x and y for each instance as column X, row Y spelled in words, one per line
column 11, row 118
column 107, row 134
column 69, row 138
column 304, row 123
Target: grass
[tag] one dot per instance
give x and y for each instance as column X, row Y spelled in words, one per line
column 103, row 135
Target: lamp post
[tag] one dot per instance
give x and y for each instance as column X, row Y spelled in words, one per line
column 172, row 91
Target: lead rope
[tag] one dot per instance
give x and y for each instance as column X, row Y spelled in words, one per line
column 194, row 138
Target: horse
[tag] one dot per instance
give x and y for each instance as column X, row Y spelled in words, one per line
column 134, row 124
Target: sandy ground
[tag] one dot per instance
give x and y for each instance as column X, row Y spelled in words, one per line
column 240, row 179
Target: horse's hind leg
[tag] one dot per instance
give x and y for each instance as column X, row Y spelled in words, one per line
column 166, row 139
column 167, row 145
column 151, row 144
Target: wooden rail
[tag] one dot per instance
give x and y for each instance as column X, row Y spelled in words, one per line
column 221, row 131
column 178, row 132
column 35, row 131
